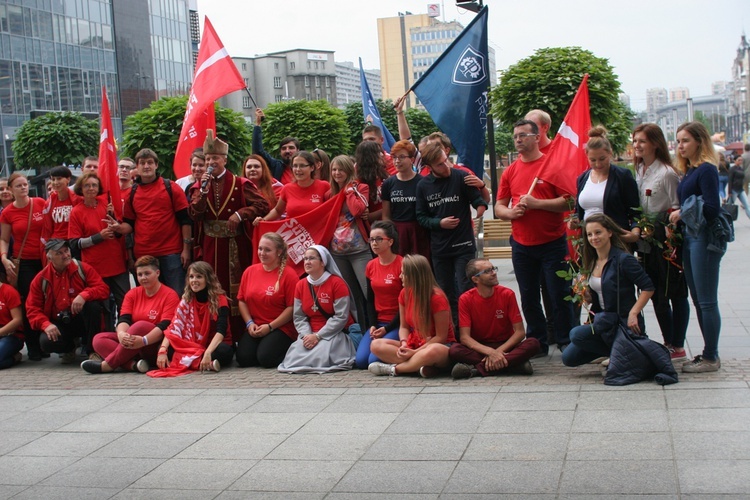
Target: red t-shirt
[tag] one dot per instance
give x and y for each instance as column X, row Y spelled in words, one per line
column 301, row 200
column 265, row 304
column 490, row 319
column 57, row 215
column 18, row 218
column 438, row 302
column 536, row 226
column 9, row 299
column 125, row 195
column 332, row 289
column 287, row 177
column 157, row 231
column 107, row 257
column 154, row 309
column 386, row 286
column 389, row 166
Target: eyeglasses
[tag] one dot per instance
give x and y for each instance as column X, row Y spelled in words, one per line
column 301, row 166
column 379, row 239
column 490, row 270
column 400, row 158
column 523, row 136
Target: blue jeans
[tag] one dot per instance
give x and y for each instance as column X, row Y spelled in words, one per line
column 532, row 264
column 585, row 346
column 364, row 355
column 723, row 182
column 450, row 274
column 743, row 200
column 9, row 346
column 172, row 273
column 702, row 275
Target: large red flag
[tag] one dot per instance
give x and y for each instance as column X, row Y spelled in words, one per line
column 108, row 158
column 312, row 228
column 215, row 76
column 567, row 158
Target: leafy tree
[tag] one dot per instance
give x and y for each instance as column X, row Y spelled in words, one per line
column 55, row 138
column 158, row 128
column 549, row 79
column 420, row 122
column 700, row 116
column 504, row 142
column 316, row 124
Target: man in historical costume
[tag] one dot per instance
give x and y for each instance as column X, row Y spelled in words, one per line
column 223, row 207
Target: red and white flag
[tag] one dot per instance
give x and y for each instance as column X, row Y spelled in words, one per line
column 108, row 158
column 215, row 76
column 312, row 228
column 567, row 158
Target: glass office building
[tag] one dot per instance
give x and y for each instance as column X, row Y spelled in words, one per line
column 55, row 55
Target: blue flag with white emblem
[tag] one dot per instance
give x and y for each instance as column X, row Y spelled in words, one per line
column 371, row 112
column 454, row 91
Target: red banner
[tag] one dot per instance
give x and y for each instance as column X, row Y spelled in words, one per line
column 108, row 158
column 567, row 156
column 215, row 76
column 313, row 228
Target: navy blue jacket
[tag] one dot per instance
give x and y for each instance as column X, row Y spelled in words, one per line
column 631, row 274
column 277, row 166
column 620, row 196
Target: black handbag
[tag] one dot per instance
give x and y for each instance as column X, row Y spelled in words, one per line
column 732, row 209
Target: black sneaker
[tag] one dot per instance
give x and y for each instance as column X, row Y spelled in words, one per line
column 462, row 370
column 92, row 366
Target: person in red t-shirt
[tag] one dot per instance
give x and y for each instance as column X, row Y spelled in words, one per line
column 59, row 205
column 23, row 220
column 11, row 326
column 491, row 326
column 539, row 246
column 426, row 328
column 99, row 245
column 302, row 195
column 146, row 312
column 266, row 302
column 159, row 221
column 384, row 285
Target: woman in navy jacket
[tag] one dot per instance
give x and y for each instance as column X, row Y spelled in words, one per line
column 608, row 189
column 613, row 273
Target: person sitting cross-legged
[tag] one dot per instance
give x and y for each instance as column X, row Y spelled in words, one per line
column 491, row 328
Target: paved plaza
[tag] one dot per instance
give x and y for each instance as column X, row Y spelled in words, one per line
column 251, row 433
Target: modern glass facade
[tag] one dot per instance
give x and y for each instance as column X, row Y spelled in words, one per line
column 55, row 55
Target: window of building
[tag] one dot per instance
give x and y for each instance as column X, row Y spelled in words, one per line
column 307, row 81
column 322, row 65
column 247, row 82
column 328, row 82
column 244, row 66
column 291, row 65
column 278, row 97
column 316, row 64
column 246, row 103
column 276, row 66
column 307, row 96
column 317, row 95
column 317, row 81
column 277, row 82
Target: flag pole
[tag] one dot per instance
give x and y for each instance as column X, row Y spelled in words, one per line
column 251, row 96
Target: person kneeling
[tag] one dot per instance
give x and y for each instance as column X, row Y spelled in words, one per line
column 491, row 328
column 199, row 337
column 65, row 302
column 147, row 311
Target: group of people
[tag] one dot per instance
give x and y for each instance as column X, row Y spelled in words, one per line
column 396, row 287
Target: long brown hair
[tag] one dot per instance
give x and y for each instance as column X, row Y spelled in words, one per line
column 589, row 252
column 277, row 240
column 655, row 136
column 265, row 183
column 345, row 163
column 419, row 286
column 706, row 150
column 213, row 287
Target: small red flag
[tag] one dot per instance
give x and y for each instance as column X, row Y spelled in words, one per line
column 108, row 158
column 567, row 158
column 215, row 76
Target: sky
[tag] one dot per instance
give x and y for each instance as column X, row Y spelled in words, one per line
column 650, row 43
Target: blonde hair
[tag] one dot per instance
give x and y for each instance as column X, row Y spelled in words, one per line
column 598, row 139
column 419, row 286
column 212, row 285
column 346, row 164
column 706, row 150
column 277, row 240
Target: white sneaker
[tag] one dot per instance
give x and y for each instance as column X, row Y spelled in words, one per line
column 378, row 368
column 216, row 366
column 142, row 366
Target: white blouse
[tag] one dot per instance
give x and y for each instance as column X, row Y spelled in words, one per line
column 662, row 182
